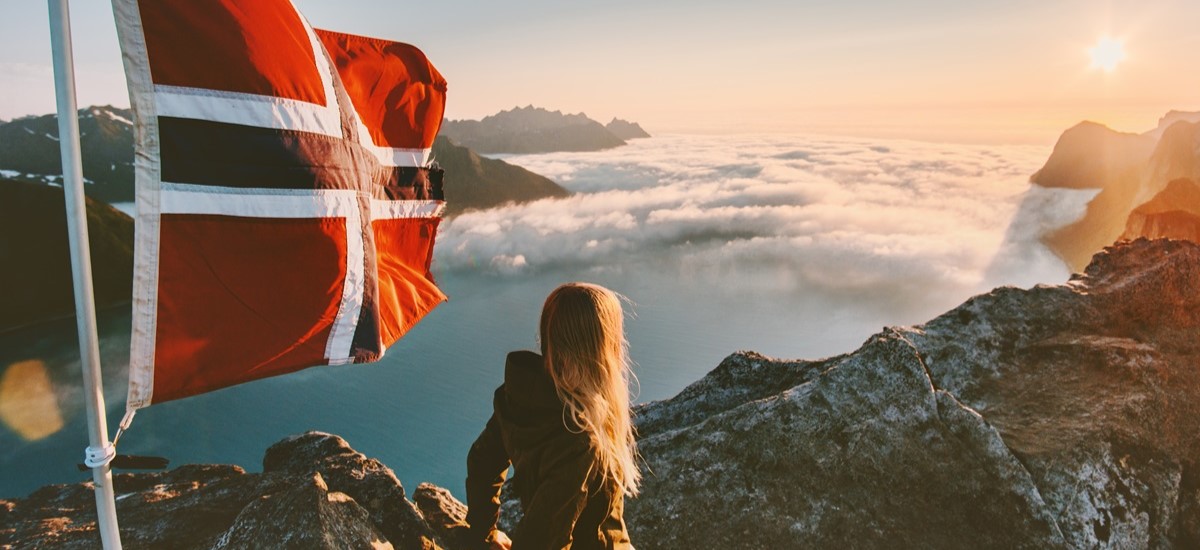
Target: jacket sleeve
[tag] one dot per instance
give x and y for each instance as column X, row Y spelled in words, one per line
column 487, row 466
column 561, row 497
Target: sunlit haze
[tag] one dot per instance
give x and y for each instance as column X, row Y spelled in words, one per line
column 1107, row 53
column 996, row 72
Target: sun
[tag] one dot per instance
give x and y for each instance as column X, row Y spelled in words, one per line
column 1107, row 53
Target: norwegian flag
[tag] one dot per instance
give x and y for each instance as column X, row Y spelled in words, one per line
column 286, row 213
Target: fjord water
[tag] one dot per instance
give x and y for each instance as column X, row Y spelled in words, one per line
column 792, row 246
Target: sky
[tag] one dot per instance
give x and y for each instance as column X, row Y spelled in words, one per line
column 988, row 71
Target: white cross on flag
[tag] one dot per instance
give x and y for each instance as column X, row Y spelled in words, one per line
column 286, row 211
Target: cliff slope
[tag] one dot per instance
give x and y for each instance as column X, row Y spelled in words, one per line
column 531, row 130
column 474, row 182
column 1129, row 170
column 1055, row 417
column 35, row 283
column 1174, row 213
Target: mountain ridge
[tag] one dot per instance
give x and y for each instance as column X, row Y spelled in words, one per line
column 1128, row 169
column 29, row 152
column 529, row 129
column 33, row 235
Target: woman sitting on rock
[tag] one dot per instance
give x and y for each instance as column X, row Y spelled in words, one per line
column 562, row 420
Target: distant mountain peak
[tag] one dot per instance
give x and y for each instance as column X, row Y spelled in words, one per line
column 625, row 129
column 29, row 150
column 1155, row 169
column 532, row 129
column 1173, row 116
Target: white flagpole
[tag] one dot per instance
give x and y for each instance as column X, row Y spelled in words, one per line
column 99, row 452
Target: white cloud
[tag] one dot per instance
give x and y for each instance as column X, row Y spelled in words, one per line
column 807, row 214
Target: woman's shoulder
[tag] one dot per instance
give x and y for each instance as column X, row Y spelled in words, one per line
column 525, row 374
column 524, row 358
column 523, row 366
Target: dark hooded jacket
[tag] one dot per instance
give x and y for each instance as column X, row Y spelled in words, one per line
column 555, row 475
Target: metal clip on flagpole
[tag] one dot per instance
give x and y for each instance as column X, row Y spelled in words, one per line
column 99, row 452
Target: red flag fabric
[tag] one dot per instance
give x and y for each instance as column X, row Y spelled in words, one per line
column 286, row 212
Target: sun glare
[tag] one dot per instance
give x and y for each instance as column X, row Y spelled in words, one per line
column 27, row 402
column 1107, row 53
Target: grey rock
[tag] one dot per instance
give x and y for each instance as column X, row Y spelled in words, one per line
column 1059, row 416
column 368, row 481
column 446, row 515
column 316, row 492
column 302, row 516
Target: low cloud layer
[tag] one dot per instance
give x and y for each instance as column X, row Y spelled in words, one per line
column 835, row 216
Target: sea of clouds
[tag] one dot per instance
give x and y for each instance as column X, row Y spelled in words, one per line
column 875, row 220
column 792, row 246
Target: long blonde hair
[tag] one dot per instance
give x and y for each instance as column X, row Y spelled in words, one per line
column 583, row 342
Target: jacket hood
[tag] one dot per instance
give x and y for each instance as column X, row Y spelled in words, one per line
column 527, row 402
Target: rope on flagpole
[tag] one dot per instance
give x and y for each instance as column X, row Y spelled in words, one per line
column 124, row 425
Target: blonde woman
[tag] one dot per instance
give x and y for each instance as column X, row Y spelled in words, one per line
column 562, row 420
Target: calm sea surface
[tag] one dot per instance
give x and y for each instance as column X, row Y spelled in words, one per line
column 792, row 246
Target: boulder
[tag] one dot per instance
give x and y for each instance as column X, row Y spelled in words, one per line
column 315, row 492
column 302, row 516
column 1055, row 417
column 366, row 480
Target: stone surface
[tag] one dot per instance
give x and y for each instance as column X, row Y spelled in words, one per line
column 303, row 515
column 1055, row 417
column 366, row 480
column 446, row 515
column 315, row 492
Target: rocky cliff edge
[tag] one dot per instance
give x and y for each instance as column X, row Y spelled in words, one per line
column 1055, row 417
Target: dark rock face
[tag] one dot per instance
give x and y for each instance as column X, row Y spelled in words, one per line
column 475, row 183
column 1174, row 213
column 625, row 129
column 1057, row 417
column 446, row 515
column 35, row 253
column 190, row 506
column 303, row 515
column 1130, row 170
column 1093, row 156
column 531, row 130
column 30, row 148
column 315, row 492
column 366, row 480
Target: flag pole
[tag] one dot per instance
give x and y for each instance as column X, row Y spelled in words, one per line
column 99, row 452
